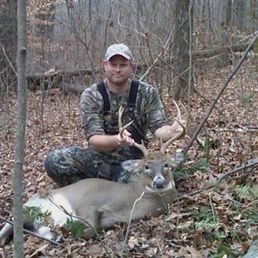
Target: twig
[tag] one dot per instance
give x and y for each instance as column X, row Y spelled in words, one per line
column 224, row 86
column 74, row 216
column 40, row 249
column 31, row 232
column 130, row 220
column 9, row 61
column 241, row 129
column 212, row 209
column 223, row 177
column 85, row 222
column 159, row 55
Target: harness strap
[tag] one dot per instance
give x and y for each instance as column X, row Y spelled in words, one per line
column 102, row 89
column 131, row 99
column 132, row 94
column 131, row 103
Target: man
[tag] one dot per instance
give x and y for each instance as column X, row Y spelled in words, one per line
column 99, row 106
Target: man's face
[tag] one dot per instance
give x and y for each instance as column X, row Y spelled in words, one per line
column 118, row 69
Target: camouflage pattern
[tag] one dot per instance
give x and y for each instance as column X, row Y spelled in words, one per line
column 147, row 114
column 118, row 49
column 71, row 164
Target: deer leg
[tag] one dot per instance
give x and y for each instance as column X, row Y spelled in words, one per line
column 5, row 233
column 92, row 218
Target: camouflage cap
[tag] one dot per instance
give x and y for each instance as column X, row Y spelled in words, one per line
column 118, row 49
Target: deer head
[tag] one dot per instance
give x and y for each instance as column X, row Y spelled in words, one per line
column 156, row 167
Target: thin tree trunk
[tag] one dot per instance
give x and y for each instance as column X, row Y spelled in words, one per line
column 181, row 48
column 228, row 12
column 20, row 129
column 8, row 43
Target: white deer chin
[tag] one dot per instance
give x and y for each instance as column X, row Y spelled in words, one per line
column 169, row 187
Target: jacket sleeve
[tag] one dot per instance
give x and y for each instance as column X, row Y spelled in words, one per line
column 154, row 110
column 91, row 111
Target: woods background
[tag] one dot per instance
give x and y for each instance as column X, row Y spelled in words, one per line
column 71, row 36
column 186, row 48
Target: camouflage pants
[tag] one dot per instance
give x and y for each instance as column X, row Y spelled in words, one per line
column 69, row 165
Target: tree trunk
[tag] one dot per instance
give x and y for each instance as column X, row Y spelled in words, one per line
column 8, row 43
column 20, row 129
column 181, row 48
column 239, row 12
column 228, row 13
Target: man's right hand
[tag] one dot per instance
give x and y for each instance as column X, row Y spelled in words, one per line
column 125, row 140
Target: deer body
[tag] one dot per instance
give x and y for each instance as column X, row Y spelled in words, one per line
column 103, row 203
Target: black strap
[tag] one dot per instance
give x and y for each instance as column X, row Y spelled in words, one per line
column 130, row 104
column 139, row 135
column 131, row 99
column 133, row 94
column 102, row 89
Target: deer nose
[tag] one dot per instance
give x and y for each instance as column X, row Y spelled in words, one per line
column 159, row 182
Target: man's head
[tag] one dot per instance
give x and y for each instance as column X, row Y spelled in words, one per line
column 118, row 49
column 118, row 64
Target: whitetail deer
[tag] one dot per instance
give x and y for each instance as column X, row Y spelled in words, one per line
column 103, row 203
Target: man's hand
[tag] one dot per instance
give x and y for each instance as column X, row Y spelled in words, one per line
column 125, row 140
column 176, row 127
column 168, row 131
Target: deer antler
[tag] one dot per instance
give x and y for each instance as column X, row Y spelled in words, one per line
column 164, row 145
column 121, row 129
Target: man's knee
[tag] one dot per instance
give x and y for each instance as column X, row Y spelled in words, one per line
column 69, row 165
column 49, row 163
column 60, row 167
column 52, row 169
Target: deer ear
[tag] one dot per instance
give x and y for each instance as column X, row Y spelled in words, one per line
column 132, row 166
column 176, row 159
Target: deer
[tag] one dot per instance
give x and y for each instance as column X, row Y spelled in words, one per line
column 102, row 203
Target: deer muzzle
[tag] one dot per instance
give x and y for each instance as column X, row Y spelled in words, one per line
column 159, row 182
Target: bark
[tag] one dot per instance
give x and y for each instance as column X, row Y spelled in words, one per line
column 181, row 48
column 20, row 129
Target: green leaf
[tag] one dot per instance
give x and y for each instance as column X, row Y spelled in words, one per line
column 223, row 249
column 75, row 227
column 35, row 213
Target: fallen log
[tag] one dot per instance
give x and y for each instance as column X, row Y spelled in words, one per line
column 68, row 88
column 219, row 50
column 52, row 79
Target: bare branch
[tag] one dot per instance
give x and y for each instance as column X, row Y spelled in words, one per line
column 188, row 146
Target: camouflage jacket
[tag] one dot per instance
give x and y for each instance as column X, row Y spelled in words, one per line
column 147, row 114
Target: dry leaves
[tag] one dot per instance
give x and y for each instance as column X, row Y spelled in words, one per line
column 174, row 234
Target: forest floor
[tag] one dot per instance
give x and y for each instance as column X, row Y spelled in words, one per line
column 220, row 221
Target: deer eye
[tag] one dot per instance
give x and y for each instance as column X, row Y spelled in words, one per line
column 146, row 167
column 166, row 168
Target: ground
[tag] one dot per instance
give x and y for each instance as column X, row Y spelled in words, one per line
column 212, row 223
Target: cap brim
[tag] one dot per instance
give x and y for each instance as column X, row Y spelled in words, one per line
column 119, row 54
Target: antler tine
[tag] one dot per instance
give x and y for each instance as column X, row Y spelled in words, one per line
column 178, row 110
column 121, row 128
column 178, row 135
column 142, row 148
